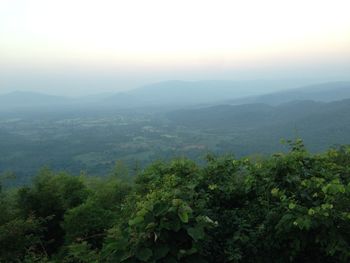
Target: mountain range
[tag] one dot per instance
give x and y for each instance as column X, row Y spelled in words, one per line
column 184, row 94
column 326, row 92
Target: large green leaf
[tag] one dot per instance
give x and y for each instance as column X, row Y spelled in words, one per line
column 160, row 208
column 196, row 233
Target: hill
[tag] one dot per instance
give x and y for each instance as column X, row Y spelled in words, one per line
column 22, row 99
column 326, row 92
column 259, row 127
column 185, row 93
column 175, row 94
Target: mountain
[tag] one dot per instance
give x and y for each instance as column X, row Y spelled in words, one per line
column 175, row 94
column 184, row 93
column 22, row 99
column 259, row 127
column 244, row 116
column 325, row 92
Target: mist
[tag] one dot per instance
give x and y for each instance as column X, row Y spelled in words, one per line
column 118, row 46
column 78, row 82
column 174, row 131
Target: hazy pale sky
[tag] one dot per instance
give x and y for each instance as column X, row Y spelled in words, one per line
column 65, row 45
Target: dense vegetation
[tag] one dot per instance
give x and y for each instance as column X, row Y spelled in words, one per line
column 290, row 207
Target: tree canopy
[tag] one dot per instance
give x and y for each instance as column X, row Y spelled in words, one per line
column 289, row 207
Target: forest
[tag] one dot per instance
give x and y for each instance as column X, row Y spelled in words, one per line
column 93, row 139
column 286, row 207
column 174, row 131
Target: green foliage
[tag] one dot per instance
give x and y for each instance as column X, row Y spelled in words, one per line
column 87, row 222
column 18, row 237
column 164, row 227
column 48, row 199
column 291, row 207
column 81, row 252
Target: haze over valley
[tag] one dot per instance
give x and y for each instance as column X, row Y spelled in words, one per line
column 166, row 120
column 162, row 131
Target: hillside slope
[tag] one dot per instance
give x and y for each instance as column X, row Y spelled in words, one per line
column 259, row 127
column 326, row 92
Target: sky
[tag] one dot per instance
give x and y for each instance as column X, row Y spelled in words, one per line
column 79, row 47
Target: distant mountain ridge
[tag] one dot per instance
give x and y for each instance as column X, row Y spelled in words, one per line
column 29, row 98
column 185, row 94
column 325, row 92
column 33, row 94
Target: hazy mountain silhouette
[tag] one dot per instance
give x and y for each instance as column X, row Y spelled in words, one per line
column 177, row 92
column 25, row 99
column 184, row 94
column 325, row 92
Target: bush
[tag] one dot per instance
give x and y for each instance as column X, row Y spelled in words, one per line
column 290, row 207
